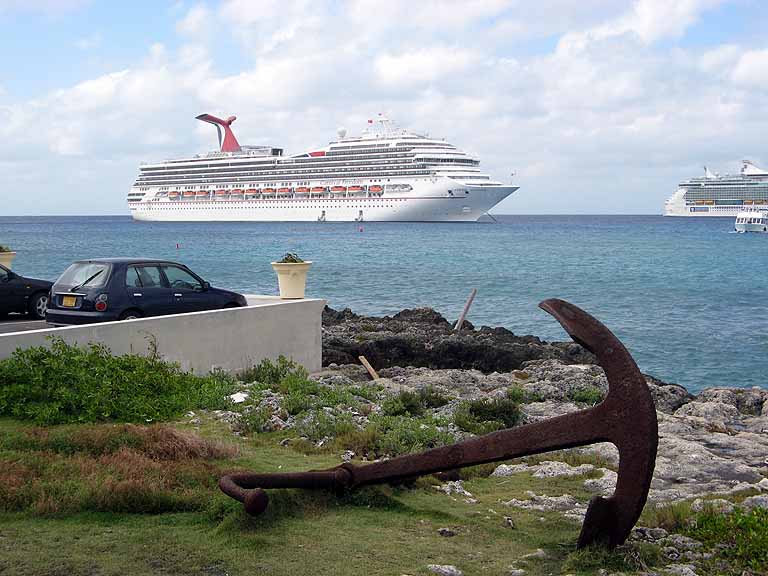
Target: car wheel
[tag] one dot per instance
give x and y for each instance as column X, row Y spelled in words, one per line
column 131, row 315
column 38, row 305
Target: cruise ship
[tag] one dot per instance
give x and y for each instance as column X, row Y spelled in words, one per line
column 716, row 195
column 385, row 174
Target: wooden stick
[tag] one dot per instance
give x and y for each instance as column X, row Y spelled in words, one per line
column 368, row 367
column 460, row 321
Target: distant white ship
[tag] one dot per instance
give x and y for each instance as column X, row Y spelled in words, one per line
column 751, row 221
column 716, row 195
column 387, row 173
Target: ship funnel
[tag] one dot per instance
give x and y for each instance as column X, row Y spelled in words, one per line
column 229, row 142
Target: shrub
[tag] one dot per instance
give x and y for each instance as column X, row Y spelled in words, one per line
column 413, row 403
column 5, row 249
column 487, row 415
column 270, row 373
column 589, row 395
column 405, row 402
column 64, row 383
column 741, row 537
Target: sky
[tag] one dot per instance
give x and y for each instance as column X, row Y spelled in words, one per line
column 591, row 107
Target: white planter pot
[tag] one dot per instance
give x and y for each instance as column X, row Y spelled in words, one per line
column 6, row 258
column 291, row 278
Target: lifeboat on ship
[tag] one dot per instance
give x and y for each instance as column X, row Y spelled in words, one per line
column 319, row 189
column 201, row 194
column 355, row 188
column 339, row 189
column 189, row 194
column 283, row 190
column 221, row 194
column 302, row 190
column 173, row 195
column 375, row 188
column 269, row 191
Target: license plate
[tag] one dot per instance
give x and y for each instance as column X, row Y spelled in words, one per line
column 69, row 301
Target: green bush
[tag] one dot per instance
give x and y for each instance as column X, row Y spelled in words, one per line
column 487, row 415
column 270, row 373
column 405, row 402
column 413, row 403
column 66, row 384
column 741, row 537
column 589, row 395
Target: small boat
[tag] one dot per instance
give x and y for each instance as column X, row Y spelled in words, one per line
column 302, row 190
column 220, row 194
column 375, row 188
column 338, row 189
column 269, row 190
column 237, row 191
column 355, row 188
column 283, row 190
column 201, row 193
column 751, row 221
column 251, row 191
column 173, row 195
column 319, row 189
column 189, row 194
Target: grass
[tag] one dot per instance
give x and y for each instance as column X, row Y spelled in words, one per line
column 64, row 384
column 487, row 415
column 69, row 497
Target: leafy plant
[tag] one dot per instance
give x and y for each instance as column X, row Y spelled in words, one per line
column 588, row 395
column 65, row 383
column 268, row 372
column 5, row 249
column 487, row 415
column 413, row 403
column 290, row 258
column 741, row 537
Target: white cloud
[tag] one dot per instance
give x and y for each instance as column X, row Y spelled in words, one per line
column 752, row 69
column 422, row 66
column 195, row 21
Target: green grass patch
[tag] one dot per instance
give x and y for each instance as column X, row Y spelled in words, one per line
column 588, row 395
column 740, row 537
column 627, row 558
column 65, row 384
column 487, row 415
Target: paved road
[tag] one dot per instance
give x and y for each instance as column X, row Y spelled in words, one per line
column 20, row 324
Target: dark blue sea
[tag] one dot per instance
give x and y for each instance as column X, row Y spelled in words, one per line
column 687, row 296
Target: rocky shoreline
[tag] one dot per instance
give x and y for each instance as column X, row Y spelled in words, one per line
column 714, row 442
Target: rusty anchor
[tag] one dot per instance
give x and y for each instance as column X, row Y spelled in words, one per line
column 626, row 418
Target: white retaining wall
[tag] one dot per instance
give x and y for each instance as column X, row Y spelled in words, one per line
column 230, row 339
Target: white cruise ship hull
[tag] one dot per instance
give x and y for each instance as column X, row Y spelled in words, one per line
column 438, row 207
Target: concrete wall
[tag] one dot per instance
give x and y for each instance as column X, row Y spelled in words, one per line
column 229, row 339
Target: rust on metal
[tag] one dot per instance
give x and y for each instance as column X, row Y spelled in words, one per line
column 626, row 418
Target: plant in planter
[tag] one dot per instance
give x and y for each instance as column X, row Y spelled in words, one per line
column 291, row 275
column 6, row 255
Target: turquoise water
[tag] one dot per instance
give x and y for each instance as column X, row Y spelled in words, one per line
column 686, row 296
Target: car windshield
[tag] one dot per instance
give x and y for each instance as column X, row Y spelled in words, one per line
column 85, row 274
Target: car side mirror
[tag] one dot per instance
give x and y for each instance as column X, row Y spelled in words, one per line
column 206, row 286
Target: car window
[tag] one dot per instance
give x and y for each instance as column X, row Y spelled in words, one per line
column 132, row 279
column 148, row 276
column 3, row 275
column 94, row 274
column 181, row 279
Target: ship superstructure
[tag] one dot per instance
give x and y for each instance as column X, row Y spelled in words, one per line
column 386, row 173
column 716, row 195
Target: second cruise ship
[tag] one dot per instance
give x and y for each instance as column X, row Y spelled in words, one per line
column 716, row 195
column 385, row 174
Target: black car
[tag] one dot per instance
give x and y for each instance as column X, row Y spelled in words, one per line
column 124, row 288
column 24, row 295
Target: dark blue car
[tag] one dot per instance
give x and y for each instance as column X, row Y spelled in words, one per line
column 124, row 288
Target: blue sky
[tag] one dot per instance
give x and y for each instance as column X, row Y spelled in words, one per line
column 598, row 106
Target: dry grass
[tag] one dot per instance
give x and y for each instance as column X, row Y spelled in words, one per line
column 148, row 469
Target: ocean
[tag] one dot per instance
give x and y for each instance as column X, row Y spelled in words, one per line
column 686, row 296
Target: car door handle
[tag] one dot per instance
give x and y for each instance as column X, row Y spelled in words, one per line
column 137, row 294
column 177, row 295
